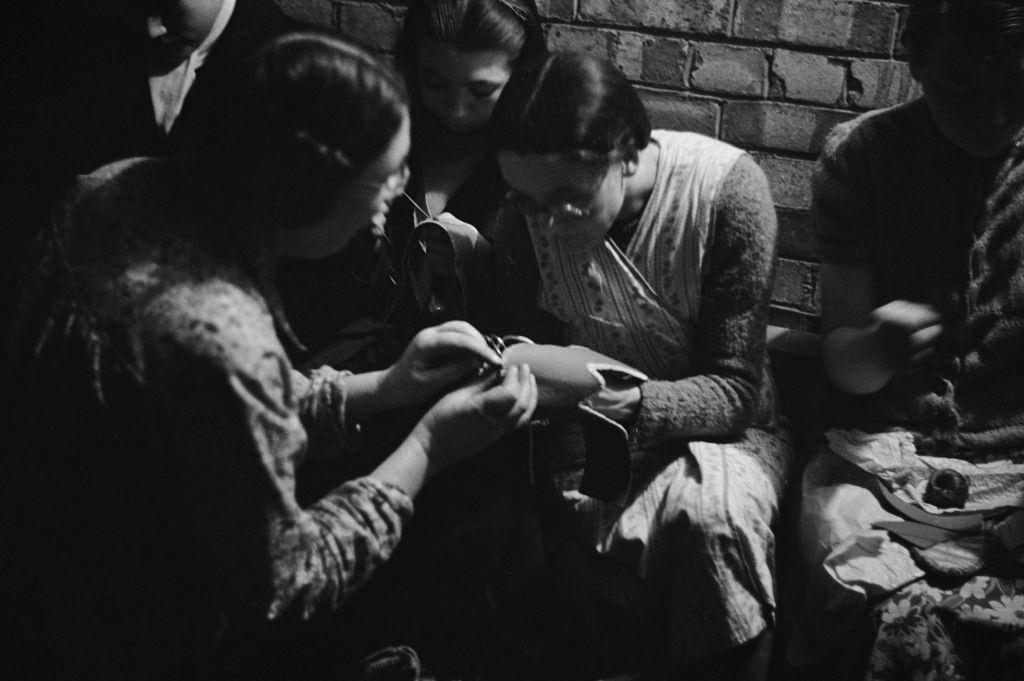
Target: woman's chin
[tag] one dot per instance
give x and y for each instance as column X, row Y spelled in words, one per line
column 464, row 128
column 379, row 219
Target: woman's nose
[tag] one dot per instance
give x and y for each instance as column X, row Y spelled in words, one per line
column 155, row 27
column 458, row 107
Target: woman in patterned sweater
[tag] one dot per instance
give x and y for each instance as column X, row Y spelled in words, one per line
column 919, row 213
column 160, row 423
column 656, row 248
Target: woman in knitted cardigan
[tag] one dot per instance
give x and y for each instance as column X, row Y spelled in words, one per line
column 921, row 304
column 656, row 248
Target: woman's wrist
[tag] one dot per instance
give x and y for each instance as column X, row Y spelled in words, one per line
column 365, row 395
column 392, row 394
column 409, row 467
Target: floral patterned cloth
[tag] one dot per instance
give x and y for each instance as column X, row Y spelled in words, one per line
column 921, row 623
column 971, row 631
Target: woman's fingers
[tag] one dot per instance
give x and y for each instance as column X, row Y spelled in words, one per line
column 906, row 316
column 456, row 337
column 526, row 398
column 516, row 395
column 925, row 338
column 922, row 343
column 499, row 400
column 461, row 326
column 520, row 387
column 530, row 404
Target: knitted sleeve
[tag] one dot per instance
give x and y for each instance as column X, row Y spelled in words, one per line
column 720, row 399
column 992, row 380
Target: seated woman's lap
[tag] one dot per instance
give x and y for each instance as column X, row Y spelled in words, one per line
column 861, row 585
column 695, row 534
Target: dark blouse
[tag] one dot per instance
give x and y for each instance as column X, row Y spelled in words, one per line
column 362, row 287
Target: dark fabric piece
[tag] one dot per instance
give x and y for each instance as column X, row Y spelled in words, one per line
column 83, row 101
column 345, row 295
column 374, row 296
column 116, row 115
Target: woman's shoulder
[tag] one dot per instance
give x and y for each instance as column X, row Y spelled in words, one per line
column 138, row 251
column 123, row 178
column 115, row 199
column 686, row 157
column 689, row 158
column 690, row 143
column 214, row 321
column 880, row 133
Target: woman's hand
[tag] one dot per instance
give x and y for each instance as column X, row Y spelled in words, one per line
column 906, row 332
column 862, row 360
column 436, row 358
column 618, row 400
column 461, row 424
column 468, row 419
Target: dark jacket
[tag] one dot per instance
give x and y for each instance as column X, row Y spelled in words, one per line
column 118, row 113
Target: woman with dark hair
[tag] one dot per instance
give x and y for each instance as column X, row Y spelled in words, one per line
column 912, row 565
column 656, row 248
column 456, row 56
column 161, row 423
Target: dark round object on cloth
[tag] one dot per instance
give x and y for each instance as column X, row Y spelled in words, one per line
column 947, row 488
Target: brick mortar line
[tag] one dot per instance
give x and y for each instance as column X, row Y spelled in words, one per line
column 788, row 155
column 726, row 98
column 729, row 40
column 780, row 153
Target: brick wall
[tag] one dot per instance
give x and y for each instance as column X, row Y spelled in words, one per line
column 770, row 76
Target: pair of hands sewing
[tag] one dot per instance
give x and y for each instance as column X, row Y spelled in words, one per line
column 479, row 408
column 898, row 336
column 906, row 332
column 487, row 398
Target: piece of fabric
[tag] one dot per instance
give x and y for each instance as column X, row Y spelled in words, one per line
column 642, row 305
column 700, row 511
column 995, row 480
column 162, row 429
column 970, row 631
column 696, row 532
column 168, row 90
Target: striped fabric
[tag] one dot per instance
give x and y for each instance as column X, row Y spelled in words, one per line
column 641, row 305
column 694, row 533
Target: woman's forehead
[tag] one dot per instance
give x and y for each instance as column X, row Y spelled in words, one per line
column 553, row 171
column 459, row 66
